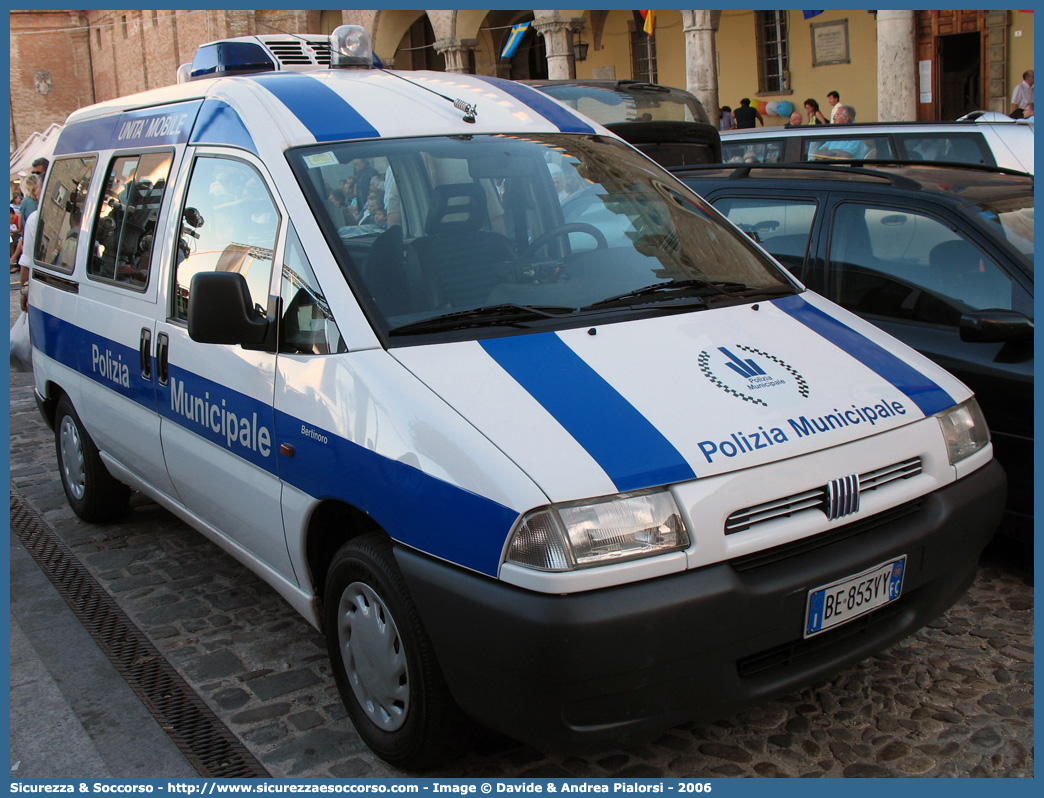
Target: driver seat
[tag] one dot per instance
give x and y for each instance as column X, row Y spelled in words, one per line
column 459, row 254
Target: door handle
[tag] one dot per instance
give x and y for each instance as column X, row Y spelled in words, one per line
column 162, row 348
column 145, row 353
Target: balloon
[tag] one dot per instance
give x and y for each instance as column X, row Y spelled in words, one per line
column 761, row 107
column 784, row 108
column 772, row 107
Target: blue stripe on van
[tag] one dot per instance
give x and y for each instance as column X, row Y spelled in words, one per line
column 112, row 364
column 218, row 123
column 928, row 396
column 631, row 451
column 323, row 111
column 554, row 113
column 143, row 127
column 416, row 509
column 87, row 136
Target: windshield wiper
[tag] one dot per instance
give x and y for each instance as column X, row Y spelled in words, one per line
column 693, row 288
column 488, row 316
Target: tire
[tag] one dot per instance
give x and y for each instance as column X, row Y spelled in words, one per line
column 91, row 490
column 383, row 662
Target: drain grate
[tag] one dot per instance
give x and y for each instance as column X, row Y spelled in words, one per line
column 199, row 734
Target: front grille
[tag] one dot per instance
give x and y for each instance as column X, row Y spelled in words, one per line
column 797, row 548
column 817, row 499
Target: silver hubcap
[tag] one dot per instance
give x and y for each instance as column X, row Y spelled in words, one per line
column 72, row 458
column 374, row 657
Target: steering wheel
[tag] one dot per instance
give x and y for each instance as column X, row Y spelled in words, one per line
column 566, row 229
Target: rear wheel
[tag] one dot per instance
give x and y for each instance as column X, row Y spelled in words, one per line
column 383, row 662
column 93, row 493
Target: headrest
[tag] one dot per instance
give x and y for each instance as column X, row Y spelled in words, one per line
column 456, row 206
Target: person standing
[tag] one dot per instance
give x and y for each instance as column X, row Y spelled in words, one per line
column 835, row 102
column 1022, row 95
column 25, row 260
column 815, row 116
column 746, row 116
column 796, row 120
column 726, row 121
column 31, row 185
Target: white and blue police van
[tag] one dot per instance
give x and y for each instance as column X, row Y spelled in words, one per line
column 526, row 428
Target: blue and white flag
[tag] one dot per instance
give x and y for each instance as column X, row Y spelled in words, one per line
column 514, row 39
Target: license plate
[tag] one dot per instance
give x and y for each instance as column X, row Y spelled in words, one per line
column 841, row 601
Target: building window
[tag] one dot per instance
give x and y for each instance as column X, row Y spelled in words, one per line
column 773, row 51
column 123, row 22
column 643, row 55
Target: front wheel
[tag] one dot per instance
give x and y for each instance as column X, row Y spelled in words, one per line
column 383, row 662
column 93, row 493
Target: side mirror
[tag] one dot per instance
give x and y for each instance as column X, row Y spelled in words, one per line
column 995, row 326
column 220, row 311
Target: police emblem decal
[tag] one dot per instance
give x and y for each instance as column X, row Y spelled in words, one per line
column 755, row 376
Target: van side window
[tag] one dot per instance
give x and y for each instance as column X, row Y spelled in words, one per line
column 307, row 326
column 61, row 211
column 229, row 223
column 124, row 230
column 908, row 266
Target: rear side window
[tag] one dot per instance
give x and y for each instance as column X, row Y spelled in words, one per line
column 229, row 224
column 950, row 148
column 781, row 226
column 857, row 148
column 751, row 152
column 61, row 211
column 125, row 227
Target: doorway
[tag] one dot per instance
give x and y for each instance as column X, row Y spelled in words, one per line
column 960, row 74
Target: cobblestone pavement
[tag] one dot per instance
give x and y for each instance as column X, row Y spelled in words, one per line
column 956, row 699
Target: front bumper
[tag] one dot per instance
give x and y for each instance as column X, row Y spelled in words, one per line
column 624, row 663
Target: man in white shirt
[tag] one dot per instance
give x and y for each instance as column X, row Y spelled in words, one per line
column 26, row 258
column 1022, row 95
column 835, row 104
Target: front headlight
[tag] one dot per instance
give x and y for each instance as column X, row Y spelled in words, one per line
column 964, row 430
column 564, row 537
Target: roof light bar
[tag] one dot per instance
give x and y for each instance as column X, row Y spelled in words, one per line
column 351, row 47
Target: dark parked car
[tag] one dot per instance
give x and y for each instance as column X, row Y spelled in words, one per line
column 940, row 257
column 667, row 124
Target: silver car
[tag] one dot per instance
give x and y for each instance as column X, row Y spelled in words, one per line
column 1007, row 145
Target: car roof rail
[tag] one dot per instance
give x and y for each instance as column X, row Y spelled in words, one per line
column 741, row 171
column 977, row 167
column 857, row 166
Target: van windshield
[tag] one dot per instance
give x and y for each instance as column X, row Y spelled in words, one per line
column 451, row 235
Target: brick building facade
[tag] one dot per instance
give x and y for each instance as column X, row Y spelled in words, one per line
column 64, row 60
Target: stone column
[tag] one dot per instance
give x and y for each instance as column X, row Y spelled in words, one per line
column 558, row 42
column 455, row 51
column 897, row 77
column 701, row 72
